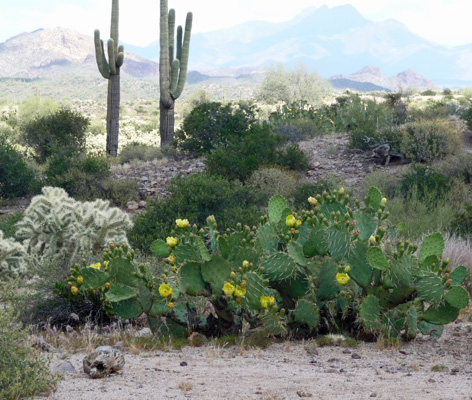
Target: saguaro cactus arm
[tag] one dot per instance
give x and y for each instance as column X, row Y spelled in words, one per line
column 102, row 62
column 184, row 55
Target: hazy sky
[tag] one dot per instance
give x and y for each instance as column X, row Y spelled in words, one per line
column 443, row 21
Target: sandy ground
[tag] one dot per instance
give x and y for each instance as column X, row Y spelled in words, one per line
column 288, row 370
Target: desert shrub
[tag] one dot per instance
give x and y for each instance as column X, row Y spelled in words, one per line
column 24, row 372
column 467, row 117
column 426, row 182
column 458, row 167
column 461, row 224
column 292, row 157
column 140, row 152
column 428, row 92
column 195, row 198
column 426, row 141
column 272, row 180
column 290, row 133
column 212, row 125
column 240, row 157
column 16, row 178
column 7, row 223
column 63, row 129
column 388, row 184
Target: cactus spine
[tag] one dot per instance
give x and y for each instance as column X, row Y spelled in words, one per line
column 111, row 70
column 172, row 71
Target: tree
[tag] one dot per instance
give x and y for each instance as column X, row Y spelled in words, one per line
column 172, row 72
column 293, row 85
column 111, row 70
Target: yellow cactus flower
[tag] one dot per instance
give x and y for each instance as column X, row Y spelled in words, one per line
column 182, row 223
column 342, row 278
column 312, row 201
column 171, row 259
column 383, row 202
column 245, row 264
column 172, row 241
column 372, row 240
column 267, row 301
column 229, row 289
column 290, row 221
column 96, row 266
column 271, row 301
column 165, row 290
column 240, row 291
column 105, row 264
column 74, row 290
column 298, row 223
column 80, row 280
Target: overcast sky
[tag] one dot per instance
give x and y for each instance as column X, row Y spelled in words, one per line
column 442, row 21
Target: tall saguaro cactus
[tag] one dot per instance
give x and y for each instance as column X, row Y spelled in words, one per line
column 111, row 70
column 172, row 71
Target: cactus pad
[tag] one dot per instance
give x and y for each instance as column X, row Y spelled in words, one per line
column 376, row 258
column 186, row 252
column 119, row 292
column 369, row 313
column 191, row 279
column 202, row 250
column 339, row 242
column 366, row 224
column 307, row 313
column 458, row 275
column 441, row 315
column 268, row 239
column 430, row 329
column 145, row 296
column 361, row 272
column 94, row 277
column 401, row 271
column 255, row 288
column 160, row 248
column 296, row 252
column 457, row 296
column 121, row 270
column 216, row 272
column 295, row 288
column 130, row 308
column 432, row 245
column 329, row 287
column 411, row 323
column 277, row 204
column 167, row 327
column 273, row 324
column 317, row 243
column 430, row 288
column 279, row 267
column 374, row 197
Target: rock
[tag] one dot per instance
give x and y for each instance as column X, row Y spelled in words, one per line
column 314, row 165
column 40, row 343
column 356, row 356
column 144, row 333
column 142, row 204
column 132, row 206
column 103, row 361
column 65, row 368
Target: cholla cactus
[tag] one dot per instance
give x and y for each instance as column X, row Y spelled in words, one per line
column 57, row 228
column 12, row 258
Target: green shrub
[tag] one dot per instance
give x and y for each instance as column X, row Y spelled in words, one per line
column 428, row 92
column 24, row 372
column 458, row 167
column 7, row 223
column 195, row 198
column 140, row 152
column 387, row 183
column 240, row 157
column 467, row 117
column 293, row 158
column 16, row 178
column 427, row 141
column 63, row 129
column 272, row 180
column 426, row 182
column 212, row 125
column 309, row 189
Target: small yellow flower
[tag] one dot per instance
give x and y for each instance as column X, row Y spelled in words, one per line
column 182, row 223
column 372, row 240
column 172, row 241
column 80, row 280
column 74, row 290
column 290, row 221
column 171, row 259
column 298, row 223
column 170, row 305
column 267, row 301
column 341, row 191
column 245, row 264
column 229, row 289
column 105, row 264
column 312, row 201
column 383, row 202
column 165, row 290
column 240, row 291
column 342, row 278
column 96, row 266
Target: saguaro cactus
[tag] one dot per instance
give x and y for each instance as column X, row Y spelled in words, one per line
column 111, row 70
column 172, row 71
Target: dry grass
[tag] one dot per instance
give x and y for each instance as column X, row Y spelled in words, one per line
column 459, row 252
column 186, row 386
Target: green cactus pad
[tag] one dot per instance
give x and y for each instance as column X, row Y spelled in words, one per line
column 296, row 252
column 401, row 271
column 457, row 297
column 186, row 252
column 130, row 308
column 307, row 313
column 160, row 248
column 122, row 270
column 411, row 323
column 329, row 287
column 366, row 224
column 180, row 312
column 268, row 239
column 433, row 330
column 303, row 234
column 94, row 277
column 361, row 272
column 317, row 243
column 430, row 263
column 374, row 197
column 339, row 242
column 146, row 297
column 392, row 323
column 255, row 288
column 224, row 247
column 191, row 279
column 335, row 206
column 279, row 267
column 457, row 276
column 245, row 254
column 277, row 204
column 376, row 258
column 120, row 292
column 399, row 294
column 432, row 245
column 167, row 327
column 430, row 288
column 202, row 250
column 216, row 272
column 369, row 313
column 295, row 288
column 441, row 315
column 273, row 324
column 159, row 307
